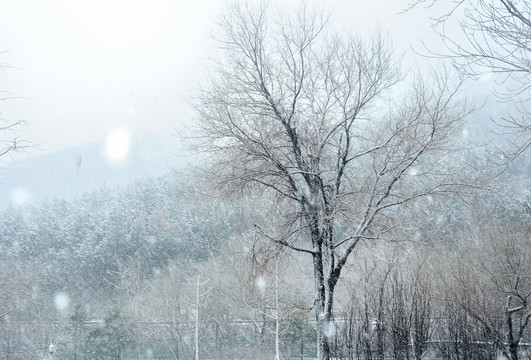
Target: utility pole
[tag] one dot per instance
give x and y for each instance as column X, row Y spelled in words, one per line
column 197, row 304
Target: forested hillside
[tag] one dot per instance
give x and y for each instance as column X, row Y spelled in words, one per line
column 85, row 250
column 138, row 269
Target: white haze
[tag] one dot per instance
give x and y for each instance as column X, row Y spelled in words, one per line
column 118, row 72
column 83, row 69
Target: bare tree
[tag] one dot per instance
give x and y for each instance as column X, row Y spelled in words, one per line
column 506, row 281
column 496, row 40
column 10, row 140
column 483, row 284
column 16, row 282
column 313, row 118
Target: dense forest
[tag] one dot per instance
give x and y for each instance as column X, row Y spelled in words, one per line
column 143, row 270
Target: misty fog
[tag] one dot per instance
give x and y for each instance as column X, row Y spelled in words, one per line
column 251, row 180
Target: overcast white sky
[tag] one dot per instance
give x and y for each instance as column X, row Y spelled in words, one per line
column 85, row 68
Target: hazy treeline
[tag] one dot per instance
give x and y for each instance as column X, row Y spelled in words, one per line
column 65, row 262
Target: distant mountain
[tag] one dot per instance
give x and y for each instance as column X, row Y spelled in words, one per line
column 69, row 173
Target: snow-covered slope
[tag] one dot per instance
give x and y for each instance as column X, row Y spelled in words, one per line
column 68, row 173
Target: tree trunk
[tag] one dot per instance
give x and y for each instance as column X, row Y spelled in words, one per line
column 323, row 342
column 513, row 351
column 325, row 326
column 322, row 315
column 323, row 332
